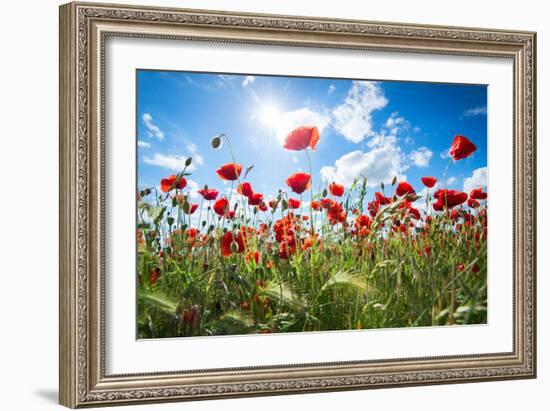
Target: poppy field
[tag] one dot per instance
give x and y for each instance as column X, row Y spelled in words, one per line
column 315, row 256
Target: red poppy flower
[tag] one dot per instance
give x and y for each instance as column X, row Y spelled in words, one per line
column 473, row 203
column 227, row 239
column 299, row 182
column 262, row 206
column 221, row 206
column 255, row 199
column 191, row 232
column 404, row 188
column 328, row 203
column 414, row 213
column 373, row 207
column 192, row 208
column 336, row 189
column 286, row 250
column 229, row 171
column 429, row 181
column 253, row 256
column 169, row 183
column 191, row 316
column 155, row 275
column 302, row 138
column 478, row 194
column 363, row 221
column 273, row 204
column 209, row 193
column 316, row 205
column 383, row 200
column 449, row 199
column 245, row 189
column 293, row 203
column 461, row 148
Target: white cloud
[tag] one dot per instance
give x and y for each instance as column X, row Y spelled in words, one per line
column 331, row 88
column 290, row 120
column 153, row 129
column 445, row 154
column 421, row 157
column 475, row 111
column 476, row 180
column 193, row 187
column 352, row 119
column 248, row 80
column 451, row 180
column 198, row 159
column 294, row 159
column 144, row 144
column 171, row 162
column 192, row 148
column 381, row 164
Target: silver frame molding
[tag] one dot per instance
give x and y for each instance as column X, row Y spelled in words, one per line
column 84, row 27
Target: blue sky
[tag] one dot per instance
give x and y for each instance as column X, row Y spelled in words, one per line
column 379, row 129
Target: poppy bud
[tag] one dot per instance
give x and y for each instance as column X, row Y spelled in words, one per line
column 203, row 223
column 325, row 192
column 382, row 186
column 216, row 142
column 394, row 181
column 170, row 220
column 188, row 161
column 147, row 191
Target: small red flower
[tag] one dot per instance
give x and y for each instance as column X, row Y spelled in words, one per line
column 155, row 275
column 302, row 138
column 461, row 148
column 472, row 203
column 363, row 221
column 169, row 183
column 221, row 206
column 383, row 200
column 209, row 193
column 191, row 316
column 460, row 267
column 229, row 171
column 404, row 188
column 227, row 239
column 299, row 182
column 449, row 199
column 429, row 181
column 294, row 203
column 414, row 213
column 245, row 189
column 262, row 206
column 316, row 205
column 255, row 199
column 478, row 194
column 273, row 204
column 336, row 189
column 192, row 208
column 253, row 256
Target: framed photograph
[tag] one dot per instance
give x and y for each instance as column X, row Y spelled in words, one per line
column 258, row 204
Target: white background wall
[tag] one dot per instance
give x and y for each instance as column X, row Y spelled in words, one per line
column 29, row 188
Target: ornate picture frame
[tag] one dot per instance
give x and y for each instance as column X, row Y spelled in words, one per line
column 84, row 29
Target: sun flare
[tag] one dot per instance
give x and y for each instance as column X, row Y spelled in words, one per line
column 270, row 115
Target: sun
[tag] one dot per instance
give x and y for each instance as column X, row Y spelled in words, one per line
column 270, row 115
